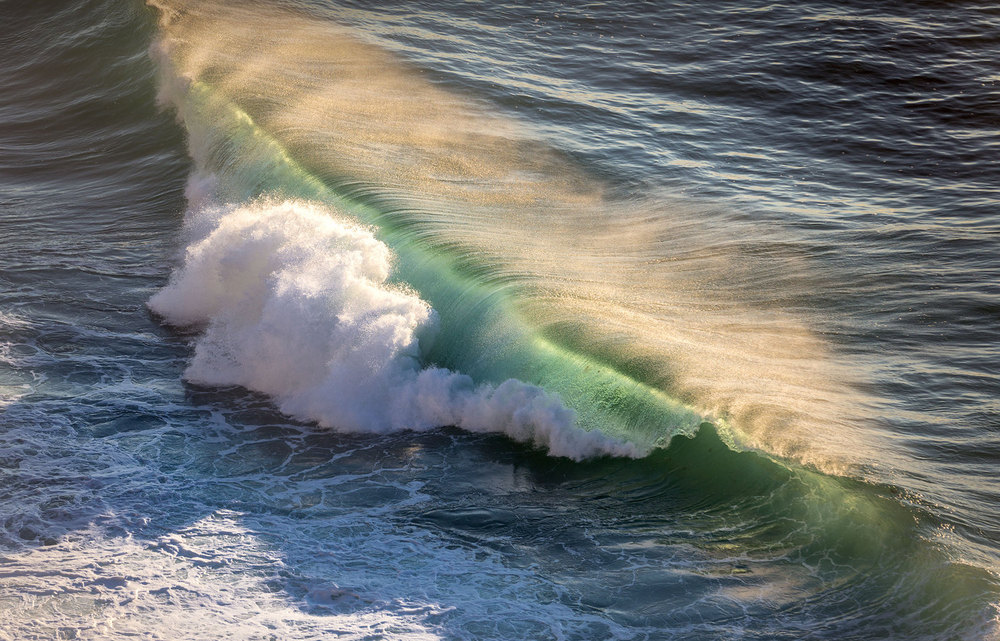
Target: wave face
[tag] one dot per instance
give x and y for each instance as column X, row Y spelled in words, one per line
column 272, row 291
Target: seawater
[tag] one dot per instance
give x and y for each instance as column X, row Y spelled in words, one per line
column 498, row 322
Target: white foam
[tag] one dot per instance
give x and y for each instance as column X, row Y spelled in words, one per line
column 295, row 301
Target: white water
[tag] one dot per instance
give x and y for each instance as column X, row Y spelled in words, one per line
column 295, row 302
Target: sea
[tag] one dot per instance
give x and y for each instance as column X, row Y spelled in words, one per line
column 520, row 321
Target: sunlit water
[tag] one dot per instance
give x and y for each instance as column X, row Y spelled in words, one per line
column 498, row 322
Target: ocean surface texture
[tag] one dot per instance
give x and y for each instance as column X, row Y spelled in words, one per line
column 499, row 321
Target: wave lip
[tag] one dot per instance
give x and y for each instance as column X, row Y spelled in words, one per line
column 295, row 302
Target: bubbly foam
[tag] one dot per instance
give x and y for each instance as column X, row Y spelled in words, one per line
column 296, row 302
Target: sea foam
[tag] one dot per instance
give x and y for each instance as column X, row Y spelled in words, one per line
column 296, row 301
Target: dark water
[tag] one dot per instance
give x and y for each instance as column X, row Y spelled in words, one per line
column 470, row 321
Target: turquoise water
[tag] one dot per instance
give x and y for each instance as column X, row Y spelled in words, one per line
column 498, row 322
